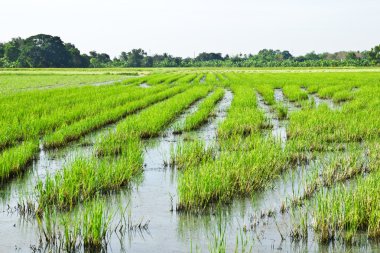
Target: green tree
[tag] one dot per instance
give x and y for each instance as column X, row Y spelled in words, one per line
column 44, row 51
column 1, row 50
column 351, row 56
column 312, row 56
column 374, row 54
column 76, row 59
column 209, row 56
column 12, row 49
column 99, row 60
column 136, row 57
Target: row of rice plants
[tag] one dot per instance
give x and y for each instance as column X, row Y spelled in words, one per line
column 14, row 160
column 294, row 93
column 76, row 130
column 40, row 112
column 204, row 110
column 150, row 122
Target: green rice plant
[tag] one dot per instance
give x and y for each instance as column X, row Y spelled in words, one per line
column 239, row 169
column 187, row 79
column 313, row 88
column 344, row 211
column 50, row 79
column 189, row 154
column 244, row 117
column 294, row 93
column 71, row 233
column 299, row 221
column 96, row 222
column 74, row 131
column 87, row 228
column 281, row 110
column 211, row 79
column 267, row 92
column 14, row 160
column 218, row 241
column 234, row 173
column 319, row 128
column 42, row 112
column 329, row 91
column 85, row 178
column 150, row 122
column 335, row 168
column 342, row 96
column 204, row 110
column 48, row 227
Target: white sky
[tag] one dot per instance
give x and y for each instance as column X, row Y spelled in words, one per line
column 185, row 27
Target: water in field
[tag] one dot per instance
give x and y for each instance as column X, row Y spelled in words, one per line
column 278, row 130
column 319, row 101
column 144, row 85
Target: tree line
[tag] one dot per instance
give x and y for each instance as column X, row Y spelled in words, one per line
column 46, row 51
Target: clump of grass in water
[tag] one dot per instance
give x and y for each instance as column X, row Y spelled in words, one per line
column 87, row 227
column 281, row 110
column 294, row 93
column 14, row 160
column 84, row 178
column 190, row 154
column 344, row 211
column 95, row 226
column 299, row 220
column 218, row 241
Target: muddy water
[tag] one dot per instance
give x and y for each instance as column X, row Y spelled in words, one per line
column 208, row 132
column 278, row 127
column 106, row 83
column 319, row 101
column 144, row 85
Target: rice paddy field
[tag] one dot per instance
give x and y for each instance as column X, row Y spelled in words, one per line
column 190, row 160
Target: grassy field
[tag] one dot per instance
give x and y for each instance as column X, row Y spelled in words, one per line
column 330, row 119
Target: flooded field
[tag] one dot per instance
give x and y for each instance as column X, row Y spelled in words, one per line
column 195, row 161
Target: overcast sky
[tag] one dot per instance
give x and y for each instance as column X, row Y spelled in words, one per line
column 188, row 27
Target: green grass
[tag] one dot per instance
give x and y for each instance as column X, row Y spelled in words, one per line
column 14, row 160
column 67, row 133
column 85, row 178
column 150, row 122
column 294, row 93
column 203, row 112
